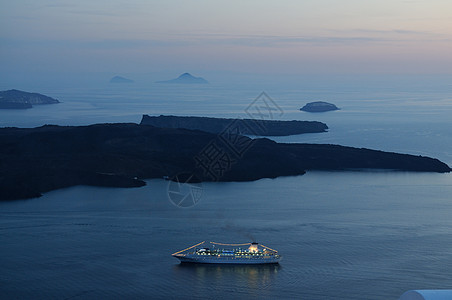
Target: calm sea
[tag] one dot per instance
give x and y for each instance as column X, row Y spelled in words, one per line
column 343, row 235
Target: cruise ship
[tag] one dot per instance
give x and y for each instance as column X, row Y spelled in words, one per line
column 219, row 253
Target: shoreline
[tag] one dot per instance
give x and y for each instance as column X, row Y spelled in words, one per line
column 42, row 159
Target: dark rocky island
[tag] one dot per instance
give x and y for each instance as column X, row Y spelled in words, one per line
column 119, row 79
column 186, row 78
column 38, row 160
column 319, row 106
column 15, row 99
column 242, row 126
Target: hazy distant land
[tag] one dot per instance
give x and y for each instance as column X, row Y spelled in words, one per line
column 120, row 79
column 15, row 99
column 186, row 78
column 38, row 160
column 242, row 126
column 319, row 106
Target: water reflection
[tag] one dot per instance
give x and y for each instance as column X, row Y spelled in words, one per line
column 252, row 276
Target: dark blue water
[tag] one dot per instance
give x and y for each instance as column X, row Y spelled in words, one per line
column 343, row 235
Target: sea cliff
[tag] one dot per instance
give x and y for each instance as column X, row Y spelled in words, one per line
column 243, row 126
column 37, row 160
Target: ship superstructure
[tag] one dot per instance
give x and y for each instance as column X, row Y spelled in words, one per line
column 219, row 253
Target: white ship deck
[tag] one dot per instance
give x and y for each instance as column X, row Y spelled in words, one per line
column 228, row 254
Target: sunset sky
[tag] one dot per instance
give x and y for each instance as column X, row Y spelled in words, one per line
column 282, row 37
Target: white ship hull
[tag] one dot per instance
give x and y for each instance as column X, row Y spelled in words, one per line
column 252, row 254
column 197, row 259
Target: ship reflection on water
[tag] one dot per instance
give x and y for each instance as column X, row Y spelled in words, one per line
column 254, row 276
